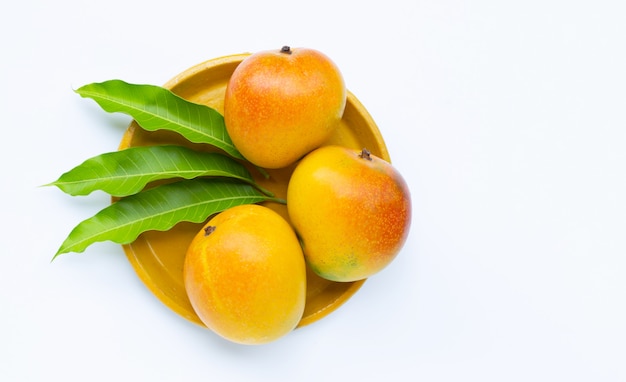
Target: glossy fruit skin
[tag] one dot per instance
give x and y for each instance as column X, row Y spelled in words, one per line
column 245, row 275
column 279, row 105
column 352, row 213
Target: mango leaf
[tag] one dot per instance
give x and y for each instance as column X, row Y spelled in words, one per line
column 160, row 208
column 156, row 108
column 126, row 172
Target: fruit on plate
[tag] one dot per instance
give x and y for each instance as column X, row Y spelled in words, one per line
column 351, row 210
column 245, row 275
column 281, row 104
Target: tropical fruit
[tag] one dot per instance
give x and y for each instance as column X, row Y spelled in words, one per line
column 245, row 275
column 281, row 104
column 351, row 211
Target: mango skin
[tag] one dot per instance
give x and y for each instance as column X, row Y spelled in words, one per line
column 352, row 214
column 245, row 275
column 279, row 106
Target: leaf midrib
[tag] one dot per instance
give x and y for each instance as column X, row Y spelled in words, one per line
column 151, row 217
column 132, row 106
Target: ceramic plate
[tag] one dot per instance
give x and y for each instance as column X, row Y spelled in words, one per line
column 157, row 257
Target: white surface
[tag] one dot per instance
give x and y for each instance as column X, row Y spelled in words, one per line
column 507, row 119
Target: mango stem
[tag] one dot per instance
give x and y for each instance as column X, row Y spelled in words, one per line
column 365, row 154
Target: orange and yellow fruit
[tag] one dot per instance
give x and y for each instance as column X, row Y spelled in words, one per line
column 281, row 104
column 351, row 210
column 245, row 275
column 348, row 211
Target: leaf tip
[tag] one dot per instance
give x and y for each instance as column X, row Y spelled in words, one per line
column 59, row 252
column 79, row 90
column 51, row 184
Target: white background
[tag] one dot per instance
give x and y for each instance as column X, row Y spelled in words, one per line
column 507, row 118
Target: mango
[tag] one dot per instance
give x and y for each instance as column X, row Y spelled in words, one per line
column 245, row 275
column 281, row 104
column 351, row 211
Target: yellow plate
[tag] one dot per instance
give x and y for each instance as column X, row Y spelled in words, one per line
column 157, row 257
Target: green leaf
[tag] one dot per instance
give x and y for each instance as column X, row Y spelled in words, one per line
column 156, row 108
column 126, row 172
column 160, row 208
